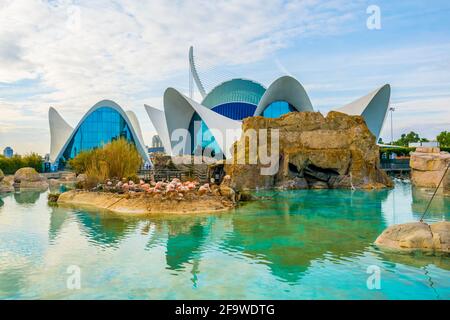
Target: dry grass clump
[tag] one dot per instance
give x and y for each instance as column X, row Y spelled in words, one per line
column 117, row 159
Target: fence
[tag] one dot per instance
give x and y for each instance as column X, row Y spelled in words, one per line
column 395, row 164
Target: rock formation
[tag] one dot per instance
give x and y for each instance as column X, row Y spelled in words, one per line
column 336, row 151
column 29, row 178
column 144, row 204
column 5, row 183
column 428, row 166
column 416, row 236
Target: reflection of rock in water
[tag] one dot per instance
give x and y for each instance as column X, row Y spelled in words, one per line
column 417, row 259
column 305, row 225
column 1, row 202
column 104, row 229
column 438, row 207
column 57, row 218
column 184, row 242
column 29, row 196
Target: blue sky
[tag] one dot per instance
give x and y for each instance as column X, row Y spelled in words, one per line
column 71, row 54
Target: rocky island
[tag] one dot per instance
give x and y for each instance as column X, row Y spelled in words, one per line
column 316, row 152
column 159, row 198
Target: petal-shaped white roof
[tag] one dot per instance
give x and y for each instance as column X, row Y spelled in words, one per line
column 158, row 119
column 61, row 133
column 287, row 89
column 181, row 109
column 372, row 107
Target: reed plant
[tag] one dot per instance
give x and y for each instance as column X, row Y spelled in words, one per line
column 115, row 160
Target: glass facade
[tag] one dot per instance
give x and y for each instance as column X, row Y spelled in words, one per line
column 201, row 137
column 236, row 90
column 204, row 138
column 100, row 127
column 277, row 109
column 236, row 110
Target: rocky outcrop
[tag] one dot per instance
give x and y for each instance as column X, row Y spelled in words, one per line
column 144, row 204
column 29, row 178
column 5, row 183
column 416, row 236
column 428, row 166
column 336, row 151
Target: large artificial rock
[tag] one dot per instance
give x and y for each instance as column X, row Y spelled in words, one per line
column 6, row 183
column 416, row 236
column 428, row 166
column 29, row 178
column 336, row 151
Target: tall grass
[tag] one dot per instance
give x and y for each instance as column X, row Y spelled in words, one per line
column 117, row 159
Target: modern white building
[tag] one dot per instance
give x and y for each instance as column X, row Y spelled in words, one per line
column 185, row 125
column 104, row 122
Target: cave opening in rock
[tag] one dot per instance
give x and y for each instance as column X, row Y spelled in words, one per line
column 322, row 174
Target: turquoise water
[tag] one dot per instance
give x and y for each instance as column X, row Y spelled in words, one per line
column 312, row 244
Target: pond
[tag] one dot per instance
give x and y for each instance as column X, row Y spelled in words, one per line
column 308, row 244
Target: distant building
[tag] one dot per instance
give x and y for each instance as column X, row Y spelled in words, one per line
column 8, row 152
column 157, row 145
column 429, row 144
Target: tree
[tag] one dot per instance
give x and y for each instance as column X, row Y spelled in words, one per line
column 444, row 139
column 380, row 141
column 405, row 139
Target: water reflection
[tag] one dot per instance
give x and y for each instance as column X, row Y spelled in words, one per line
column 294, row 241
column 105, row 229
column 184, row 242
column 27, row 196
column 438, row 207
column 58, row 217
column 292, row 232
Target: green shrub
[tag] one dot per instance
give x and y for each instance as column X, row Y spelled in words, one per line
column 117, row 159
column 11, row 165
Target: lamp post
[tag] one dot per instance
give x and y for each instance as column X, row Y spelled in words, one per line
column 392, row 109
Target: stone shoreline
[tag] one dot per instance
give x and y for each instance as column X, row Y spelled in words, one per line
column 143, row 204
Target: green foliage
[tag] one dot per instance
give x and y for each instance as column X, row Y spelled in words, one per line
column 404, row 151
column 117, row 159
column 444, row 139
column 79, row 164
column 405, row 139
column 11, row 165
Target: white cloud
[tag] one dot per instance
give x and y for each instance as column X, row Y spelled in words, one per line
column 81, row 52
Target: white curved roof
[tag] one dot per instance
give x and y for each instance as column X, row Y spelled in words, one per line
column 372, row 107
column 287, row 89
column 61, row 133
column 181, row 109
column 158, row 119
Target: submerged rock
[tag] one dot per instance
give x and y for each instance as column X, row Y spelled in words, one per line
column 336, row 151
column 417, row 236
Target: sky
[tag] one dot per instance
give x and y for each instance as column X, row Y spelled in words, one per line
column 71, row 54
